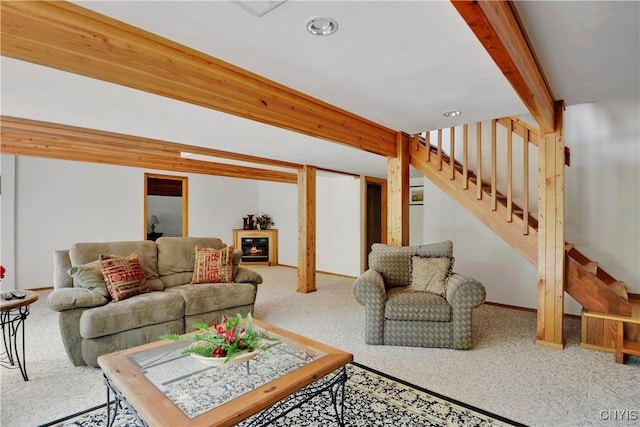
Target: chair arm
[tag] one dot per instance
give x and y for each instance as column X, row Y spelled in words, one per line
column 369, row 289
column 463, row 291
column 69, row 298
column 463, row 294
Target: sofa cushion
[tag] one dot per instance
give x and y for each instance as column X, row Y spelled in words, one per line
column 89, row 276
column 395, row 263
column 407, row 304
column 83, row 253
column 429, row 274
column 124, row 276
column 213, row 265
column 206, row 297
column 141, row 310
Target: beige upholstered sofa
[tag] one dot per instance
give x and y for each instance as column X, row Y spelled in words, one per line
column 396, row 313
column 92, row 325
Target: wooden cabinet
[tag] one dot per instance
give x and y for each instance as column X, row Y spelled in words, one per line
column 270, row 234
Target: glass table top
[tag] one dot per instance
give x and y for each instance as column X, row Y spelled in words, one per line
column 195, row 387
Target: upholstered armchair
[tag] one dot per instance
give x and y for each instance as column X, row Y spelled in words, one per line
column 412, row 297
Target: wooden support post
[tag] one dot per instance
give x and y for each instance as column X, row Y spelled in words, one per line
column 398, row 195
column 551, row 254
column 307, row 229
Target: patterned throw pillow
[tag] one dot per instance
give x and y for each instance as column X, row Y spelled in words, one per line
column 429, row 274
column 213, row 265
column 124, row 276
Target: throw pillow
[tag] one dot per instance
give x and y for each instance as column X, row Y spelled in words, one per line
column 89, row 276
column 124, row 276
column 429, row 274
column 213, row 265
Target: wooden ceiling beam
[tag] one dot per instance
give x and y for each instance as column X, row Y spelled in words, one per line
column 40, row 139
column 497, row 27
column 68, row 37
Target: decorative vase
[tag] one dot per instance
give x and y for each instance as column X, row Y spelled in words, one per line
column 245, row 225
column 241, row 357
column 251, row 223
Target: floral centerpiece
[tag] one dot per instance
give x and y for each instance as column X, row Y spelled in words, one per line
column 230, row 342
column 264, row 221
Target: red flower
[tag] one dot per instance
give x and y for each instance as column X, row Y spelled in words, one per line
column 2, row 271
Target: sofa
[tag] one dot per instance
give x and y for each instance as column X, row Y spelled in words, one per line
column 412, row 297
column 93, row 323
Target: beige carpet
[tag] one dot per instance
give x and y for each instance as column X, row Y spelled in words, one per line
column 505, row 373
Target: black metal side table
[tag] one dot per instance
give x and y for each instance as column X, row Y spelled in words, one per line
column 13, row 313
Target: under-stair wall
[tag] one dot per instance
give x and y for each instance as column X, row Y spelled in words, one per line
column 494, row 178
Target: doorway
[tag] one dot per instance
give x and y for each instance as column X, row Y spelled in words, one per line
column 165, row 206
column 375, row 214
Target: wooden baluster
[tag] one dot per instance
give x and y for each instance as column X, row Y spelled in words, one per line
column 415, row 141
column 439, row 157
column 510, row 172
column 525, row 184
column 452, row 152
column 465, row 157
column 479, row 161
column 494, row 197
column 427, row 141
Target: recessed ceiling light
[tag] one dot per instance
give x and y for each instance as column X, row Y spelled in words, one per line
column 322, row 26
column 452, row 113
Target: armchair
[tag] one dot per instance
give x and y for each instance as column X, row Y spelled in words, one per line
column 397, row 314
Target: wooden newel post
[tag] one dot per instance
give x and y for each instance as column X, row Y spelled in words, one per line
column 551, row 241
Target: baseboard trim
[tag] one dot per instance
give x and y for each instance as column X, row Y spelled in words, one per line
column 322, row 272
column 531, row 310
column 45, row 288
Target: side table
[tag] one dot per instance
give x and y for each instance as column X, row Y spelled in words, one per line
column 13, row 313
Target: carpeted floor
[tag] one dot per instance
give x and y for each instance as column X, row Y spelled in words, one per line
column 505, row 373
column 371, row 399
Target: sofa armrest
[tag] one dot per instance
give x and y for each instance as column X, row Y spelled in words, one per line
column 369, row 288
column 70, row 298
column 61, row 264
column 244, row 275
column 463, row 291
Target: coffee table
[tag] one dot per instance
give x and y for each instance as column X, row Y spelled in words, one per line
column 163, row 387
column 13, row 313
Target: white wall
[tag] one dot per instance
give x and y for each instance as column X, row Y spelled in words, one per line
column 280, row 201
column 58, row 203
column 603, row 186
column 338, row 224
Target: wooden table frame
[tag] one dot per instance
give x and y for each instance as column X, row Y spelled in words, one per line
column 155, row 409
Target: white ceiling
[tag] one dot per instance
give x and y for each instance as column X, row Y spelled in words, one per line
column 400, row 64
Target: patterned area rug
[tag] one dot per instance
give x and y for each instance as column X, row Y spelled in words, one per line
column 371, row 399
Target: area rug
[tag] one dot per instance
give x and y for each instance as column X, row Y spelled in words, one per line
column 372, row 398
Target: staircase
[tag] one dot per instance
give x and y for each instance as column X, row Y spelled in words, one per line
column 585, row 281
